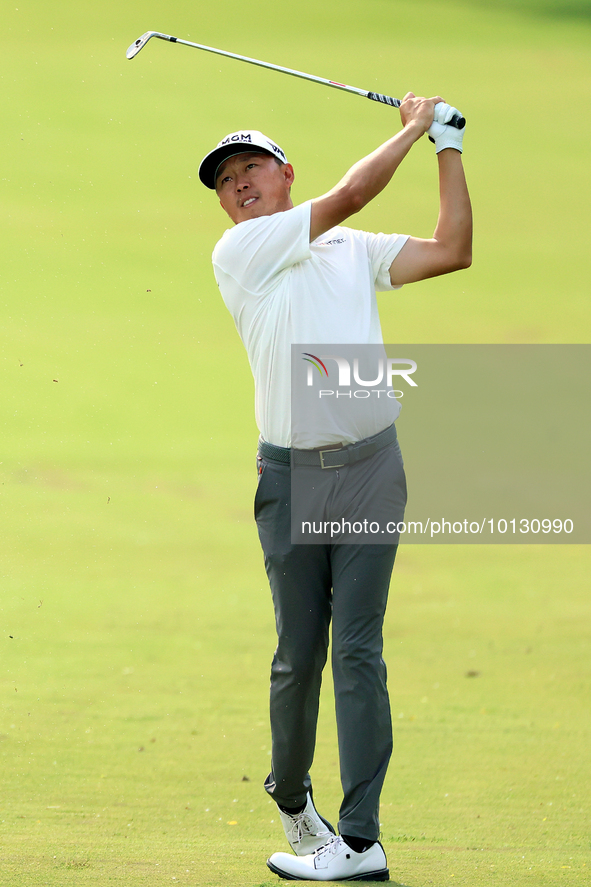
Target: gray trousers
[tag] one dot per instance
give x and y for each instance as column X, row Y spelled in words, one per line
column 310, row 585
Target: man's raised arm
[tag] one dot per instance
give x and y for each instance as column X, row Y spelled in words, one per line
column 369, row 176
column 450, row 248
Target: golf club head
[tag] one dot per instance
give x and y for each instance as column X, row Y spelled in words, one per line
column 141, row 42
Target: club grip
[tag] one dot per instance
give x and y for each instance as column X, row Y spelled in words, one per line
column 457, row 120
column 385, row 99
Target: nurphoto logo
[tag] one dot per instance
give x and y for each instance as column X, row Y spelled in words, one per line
column 384, row 369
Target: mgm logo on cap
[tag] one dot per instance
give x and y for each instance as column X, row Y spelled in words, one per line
column 237, row 143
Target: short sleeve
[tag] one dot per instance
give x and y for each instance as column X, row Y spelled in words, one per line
column 383, row 249
column 255, row 252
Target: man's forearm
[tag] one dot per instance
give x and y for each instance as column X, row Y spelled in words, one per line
column 450, row 248
column 454, row 224
column 370, row 175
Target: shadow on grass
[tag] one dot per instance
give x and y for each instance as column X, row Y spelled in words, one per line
column 280, row 881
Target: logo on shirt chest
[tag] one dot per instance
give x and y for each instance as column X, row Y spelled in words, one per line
column 332, row 242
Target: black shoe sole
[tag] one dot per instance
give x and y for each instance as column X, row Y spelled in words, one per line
column 382, row 875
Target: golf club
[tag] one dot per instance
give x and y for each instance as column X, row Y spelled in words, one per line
column 457, row 121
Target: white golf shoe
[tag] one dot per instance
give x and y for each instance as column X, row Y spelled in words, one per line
column 333, row 862
column 306, row 831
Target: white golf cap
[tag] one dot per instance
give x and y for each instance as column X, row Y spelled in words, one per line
column 241, row 142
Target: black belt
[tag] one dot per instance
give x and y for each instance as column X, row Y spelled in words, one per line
column 329, row 457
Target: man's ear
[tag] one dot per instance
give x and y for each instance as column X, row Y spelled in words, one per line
column 289, row 174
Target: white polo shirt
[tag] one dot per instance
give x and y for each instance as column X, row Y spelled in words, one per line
column 283, row 290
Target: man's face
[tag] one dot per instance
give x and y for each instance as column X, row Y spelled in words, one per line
column 253, row 185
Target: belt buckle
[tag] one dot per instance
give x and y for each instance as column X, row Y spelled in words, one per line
column 332, row 450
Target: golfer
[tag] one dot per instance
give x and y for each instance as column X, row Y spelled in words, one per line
column 290, row 275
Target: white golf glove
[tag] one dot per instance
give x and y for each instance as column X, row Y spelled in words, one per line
column 440, row 133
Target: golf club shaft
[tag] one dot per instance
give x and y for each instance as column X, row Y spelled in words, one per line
column 457, row 121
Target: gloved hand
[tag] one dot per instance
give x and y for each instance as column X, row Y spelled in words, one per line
column 442, row 135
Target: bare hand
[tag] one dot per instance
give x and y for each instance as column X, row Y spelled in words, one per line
column 418, row 111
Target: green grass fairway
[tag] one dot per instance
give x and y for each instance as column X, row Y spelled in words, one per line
column 136, row 624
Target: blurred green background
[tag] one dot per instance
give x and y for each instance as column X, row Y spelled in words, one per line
column 136, row 623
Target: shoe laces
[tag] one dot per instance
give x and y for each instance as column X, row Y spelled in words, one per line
column 333, row 845
column 303, row 825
